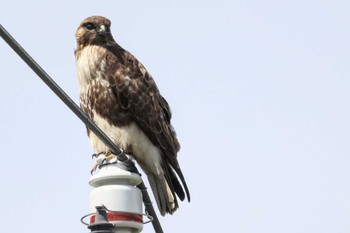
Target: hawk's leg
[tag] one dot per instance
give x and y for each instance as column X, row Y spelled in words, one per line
column 102, row 158
column 108, row 157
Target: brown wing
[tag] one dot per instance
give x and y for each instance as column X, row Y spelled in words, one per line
column 138, row 94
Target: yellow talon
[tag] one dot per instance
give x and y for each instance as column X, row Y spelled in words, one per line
column 94, row 168
column 109, row 155
column 101, row 158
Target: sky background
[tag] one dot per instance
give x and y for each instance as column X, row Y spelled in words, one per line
column 260, row 97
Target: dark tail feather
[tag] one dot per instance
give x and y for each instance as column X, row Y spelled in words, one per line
column 175, row 183
column 182, row 178
column 174, row 165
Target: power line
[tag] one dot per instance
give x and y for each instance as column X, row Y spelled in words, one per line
column 127, row 162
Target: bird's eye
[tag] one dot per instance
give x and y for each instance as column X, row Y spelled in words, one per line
column 89, row 26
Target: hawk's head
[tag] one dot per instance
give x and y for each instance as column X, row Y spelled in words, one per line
column 94, row 30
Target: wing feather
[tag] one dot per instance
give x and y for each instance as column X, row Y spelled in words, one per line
column 138, row 93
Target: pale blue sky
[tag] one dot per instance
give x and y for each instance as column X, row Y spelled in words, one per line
column 260, row 98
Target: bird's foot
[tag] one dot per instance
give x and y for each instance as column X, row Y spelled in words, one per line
column 101, row 159
column 108, row 157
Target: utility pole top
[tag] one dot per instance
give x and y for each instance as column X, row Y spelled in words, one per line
column 115, row 190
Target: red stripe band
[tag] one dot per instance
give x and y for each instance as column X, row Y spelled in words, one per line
column 120, row 216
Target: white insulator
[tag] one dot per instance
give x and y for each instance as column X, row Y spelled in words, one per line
column 116, row 189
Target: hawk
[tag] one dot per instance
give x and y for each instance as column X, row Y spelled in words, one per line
column 121, row 97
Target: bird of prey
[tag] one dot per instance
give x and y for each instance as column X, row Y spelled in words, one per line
column 121, row 97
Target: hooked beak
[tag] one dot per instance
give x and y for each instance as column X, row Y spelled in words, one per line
column 102, row 29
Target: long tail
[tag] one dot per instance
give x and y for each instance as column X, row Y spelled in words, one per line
column 166, row 187
column 164, row 195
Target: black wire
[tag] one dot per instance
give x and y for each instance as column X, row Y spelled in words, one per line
column 84, row 118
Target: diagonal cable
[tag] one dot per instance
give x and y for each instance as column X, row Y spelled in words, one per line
column 127, row 162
